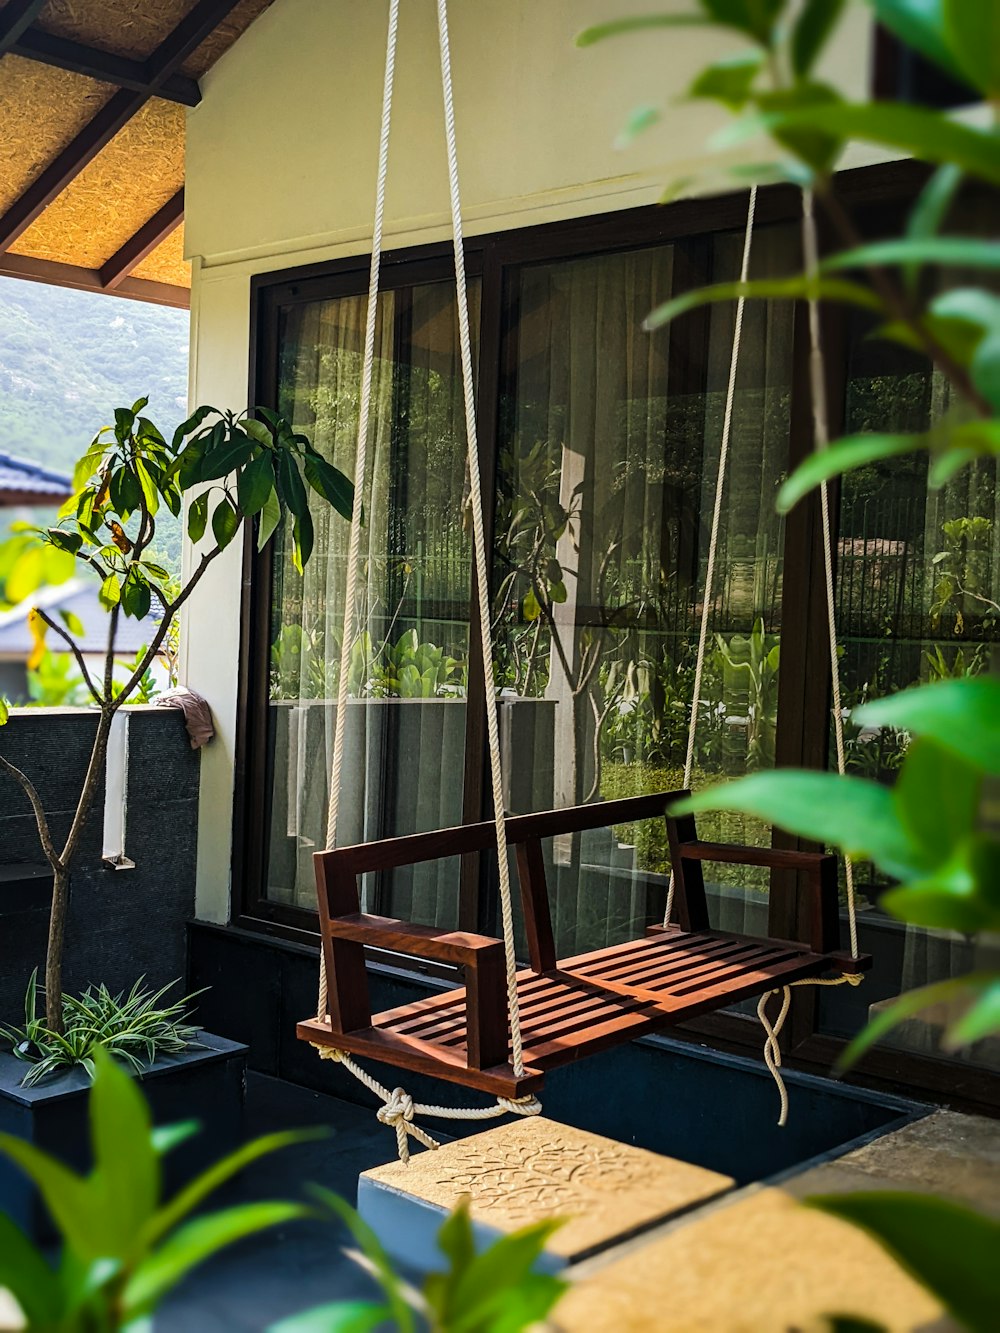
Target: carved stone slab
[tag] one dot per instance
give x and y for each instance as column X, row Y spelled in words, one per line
column 527, row 1171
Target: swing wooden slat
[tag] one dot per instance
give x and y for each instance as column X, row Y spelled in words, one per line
column 570, row 1009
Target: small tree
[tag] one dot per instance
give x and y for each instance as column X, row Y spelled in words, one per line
column 244, row 468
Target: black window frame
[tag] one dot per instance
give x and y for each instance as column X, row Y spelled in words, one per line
column 803, row 700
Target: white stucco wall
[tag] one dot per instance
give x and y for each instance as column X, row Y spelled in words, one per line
column 280, row 171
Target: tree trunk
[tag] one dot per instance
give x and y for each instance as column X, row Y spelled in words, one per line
column 55, row 951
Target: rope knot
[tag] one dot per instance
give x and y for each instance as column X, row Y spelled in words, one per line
column 521, row 1105
column 398, row 1106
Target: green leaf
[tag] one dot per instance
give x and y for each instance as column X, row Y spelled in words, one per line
column 302, row 540
column 842, row 456
column 125, row 491
column 972, row 31
column 124, row 421
column 255, row 484
column 946, row 898
column 919, row 24
column 198, row 517
column 927, row 135
column 197, row 1241
column 455, row 1240
column 908, row 1006
column 957, row 251
column 981, row 1020
column 801, row 287
column 816, row 21
column 331, row 483
column 640, row 119
column 225, row 522
column 72, row 622
column 851, row 813
column 165, row 1138
column 189, row 426
column 293, row 492
column 944, row 1246
column 270, row 517
column 126, row 1165
column 530, row 607
column 69, row 1198
column 111, row 592
column 818, row 148
column 4, row 712
column 963, row 716
column 25, row 1273
column 149, row 491
column 728, row 81
column 340, row 1317
column 374, row 1252
column 935, row 781
column 258, row 431
column 138, row 405
column 640, row 23
column 202, row 1186
column 225, row 457
column 487, row 1283
column 136, row 596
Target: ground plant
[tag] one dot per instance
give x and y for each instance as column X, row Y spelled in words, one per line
column 926, row 289
column 135, row 1028
column 231, row 469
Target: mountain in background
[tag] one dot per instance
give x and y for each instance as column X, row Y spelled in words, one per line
column 68, row 358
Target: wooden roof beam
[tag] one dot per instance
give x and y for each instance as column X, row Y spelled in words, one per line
column 146, row 239
column 62, row 53
column 118, row 111
column 54, row 274
column 17, row 17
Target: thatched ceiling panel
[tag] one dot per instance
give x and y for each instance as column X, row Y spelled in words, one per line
column 139, row 170
column 42, row 110
column 167, row 263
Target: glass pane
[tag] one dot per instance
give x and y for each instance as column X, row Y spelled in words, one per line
column 918, row 588
column 610, row 443
column 405, row 727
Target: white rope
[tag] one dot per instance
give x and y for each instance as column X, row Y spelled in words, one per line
column 821, row 433
column 479, row 543
column 360, row 464
column 772, row 1031
column 398, row 1109
column 822, row 441
column 713, row 541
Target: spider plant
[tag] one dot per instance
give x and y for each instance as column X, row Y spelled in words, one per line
column 134, row 1028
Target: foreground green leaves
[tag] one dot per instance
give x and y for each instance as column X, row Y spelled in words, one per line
column 122, row 1251
column 925, row 831
column 496, row 1290
column 949, row 1248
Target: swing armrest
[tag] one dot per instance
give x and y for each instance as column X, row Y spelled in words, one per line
column 820, row 868
column 774, row 858
column 481, row 957
column 385, row 932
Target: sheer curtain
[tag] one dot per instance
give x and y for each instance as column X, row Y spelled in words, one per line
column 610, row 446
column 405, row 728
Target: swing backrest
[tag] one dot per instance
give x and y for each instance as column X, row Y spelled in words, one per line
column 337, row 870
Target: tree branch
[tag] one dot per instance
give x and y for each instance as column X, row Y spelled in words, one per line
column 44, row 832
column 74, row 649
column 161, row 633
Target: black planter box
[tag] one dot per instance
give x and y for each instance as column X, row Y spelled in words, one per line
column 205, row 1084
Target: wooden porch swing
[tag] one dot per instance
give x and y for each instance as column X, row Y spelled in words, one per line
column 508, row 1026
column 569, row 1008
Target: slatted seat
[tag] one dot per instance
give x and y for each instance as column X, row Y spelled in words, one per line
column 568, row 1009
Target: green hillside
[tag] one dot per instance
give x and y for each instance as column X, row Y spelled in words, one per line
column 68, row 358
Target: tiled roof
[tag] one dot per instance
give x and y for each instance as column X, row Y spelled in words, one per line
column 79, row 597
column 24, row 482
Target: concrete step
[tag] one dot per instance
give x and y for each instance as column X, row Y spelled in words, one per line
column 528, row 1171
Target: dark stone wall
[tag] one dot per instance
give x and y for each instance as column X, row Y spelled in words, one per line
column 123, row 924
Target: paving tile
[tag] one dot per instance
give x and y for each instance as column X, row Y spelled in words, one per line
column 533, row 1169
